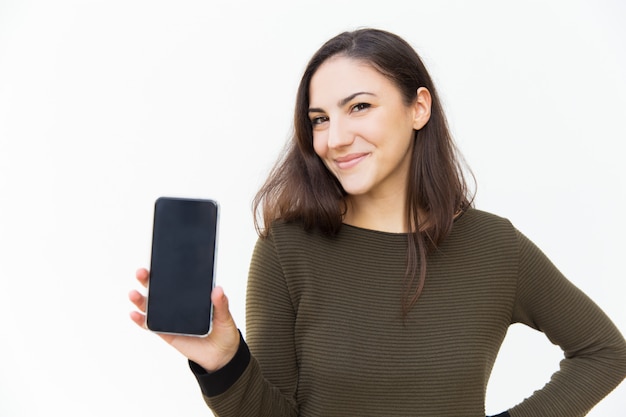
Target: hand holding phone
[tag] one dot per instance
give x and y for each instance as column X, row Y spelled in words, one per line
column 212, row 352
column 218, row 348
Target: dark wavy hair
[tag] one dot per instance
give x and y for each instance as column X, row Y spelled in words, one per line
column 300, row 187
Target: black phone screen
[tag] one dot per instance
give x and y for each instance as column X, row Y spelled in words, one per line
column 182, row 266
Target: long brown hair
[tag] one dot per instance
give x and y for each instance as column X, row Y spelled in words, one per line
column 300, row 188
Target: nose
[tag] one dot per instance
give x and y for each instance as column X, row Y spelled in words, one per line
column 339, row 134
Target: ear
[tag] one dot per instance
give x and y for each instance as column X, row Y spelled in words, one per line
column 421, row 108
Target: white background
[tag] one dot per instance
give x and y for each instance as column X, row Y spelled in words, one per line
column 106, row 105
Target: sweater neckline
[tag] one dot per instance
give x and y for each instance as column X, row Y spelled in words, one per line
column 456, row 221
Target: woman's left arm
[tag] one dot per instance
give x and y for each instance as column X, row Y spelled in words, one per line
column 594, row 349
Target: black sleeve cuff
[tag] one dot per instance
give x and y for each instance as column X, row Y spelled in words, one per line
column 505, row 414
column 220, row 381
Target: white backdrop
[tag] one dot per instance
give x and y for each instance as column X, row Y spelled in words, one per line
column 106, row 105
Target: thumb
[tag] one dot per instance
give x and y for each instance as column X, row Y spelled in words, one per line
column 225, row 332
column 221, row 313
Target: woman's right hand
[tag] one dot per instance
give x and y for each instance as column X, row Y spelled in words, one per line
column 212, row 352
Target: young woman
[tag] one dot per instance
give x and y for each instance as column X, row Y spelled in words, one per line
column 375, row 287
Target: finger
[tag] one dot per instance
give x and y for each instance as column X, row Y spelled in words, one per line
column 138, row 318
column 221, row 313
column 142, row 276
column 138, row 299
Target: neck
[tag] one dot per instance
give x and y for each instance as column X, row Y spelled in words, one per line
column 382, row 214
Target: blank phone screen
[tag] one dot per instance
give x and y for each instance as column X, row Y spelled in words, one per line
column 182, row 266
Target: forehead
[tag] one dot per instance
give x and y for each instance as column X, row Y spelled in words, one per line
column 340, row 76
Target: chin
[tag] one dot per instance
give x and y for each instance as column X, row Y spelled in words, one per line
column 357, row 186
column 355, row 191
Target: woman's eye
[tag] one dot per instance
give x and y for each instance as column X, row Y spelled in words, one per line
column 318, row 120
column 360, row 107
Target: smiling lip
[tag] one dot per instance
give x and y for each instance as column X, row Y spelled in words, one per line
column 348, row 161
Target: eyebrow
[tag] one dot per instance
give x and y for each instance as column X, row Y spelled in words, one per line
column 341, row 102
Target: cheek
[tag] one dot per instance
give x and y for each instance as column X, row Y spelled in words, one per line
column 320, row 145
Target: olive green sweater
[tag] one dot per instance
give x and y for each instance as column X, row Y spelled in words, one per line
column 327, row 337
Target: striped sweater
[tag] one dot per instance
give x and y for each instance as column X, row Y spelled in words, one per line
column 327, row 338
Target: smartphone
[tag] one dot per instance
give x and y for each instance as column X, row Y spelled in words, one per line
column 182, row 266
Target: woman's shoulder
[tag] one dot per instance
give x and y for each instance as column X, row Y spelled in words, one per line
column 291, row 234
column 477, row 217
column 288, row 229
column 474, row 224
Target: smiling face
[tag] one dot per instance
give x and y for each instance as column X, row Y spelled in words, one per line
column 362, row 129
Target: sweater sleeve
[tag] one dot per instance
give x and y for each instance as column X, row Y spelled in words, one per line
column 594, row 350
column 244, row 387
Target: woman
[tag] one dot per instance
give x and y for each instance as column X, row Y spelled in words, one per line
column 376, row 288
